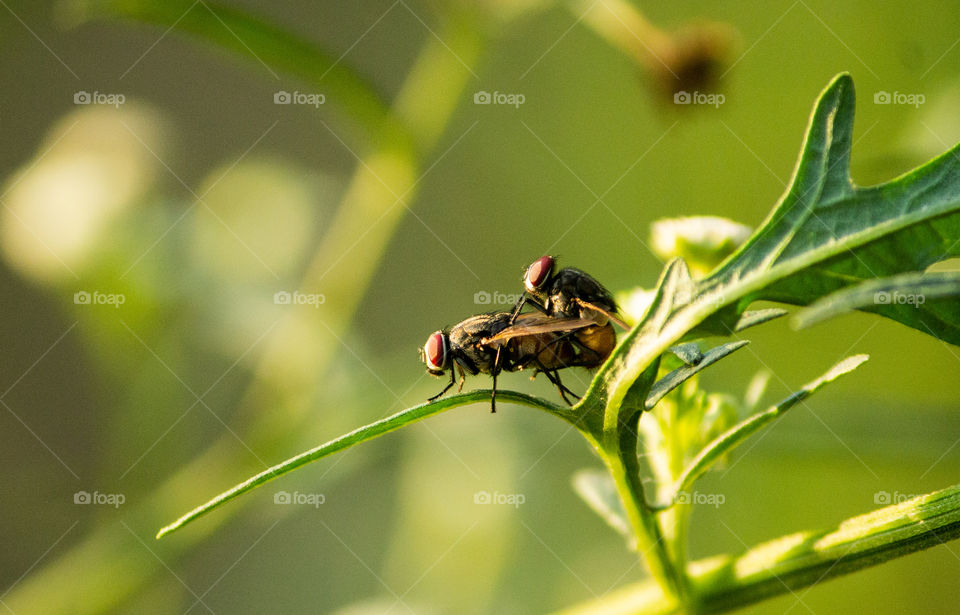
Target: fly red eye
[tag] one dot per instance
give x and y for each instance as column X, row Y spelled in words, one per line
column 435, row 351
column 538, row 272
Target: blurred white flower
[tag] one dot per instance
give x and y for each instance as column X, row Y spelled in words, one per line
column 633, row 304
column 702, row 241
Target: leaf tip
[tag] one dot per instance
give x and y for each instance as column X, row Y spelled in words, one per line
column 173, row 527
column 841, row 86
column 817, row 312
column 842, row 79
column 847, row 365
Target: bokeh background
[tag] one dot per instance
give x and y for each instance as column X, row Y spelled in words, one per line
column 185, row 192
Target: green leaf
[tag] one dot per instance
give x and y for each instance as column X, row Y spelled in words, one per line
column 824, row 234
column 612, row 391
column 827, row 234
column 681, row 374
column 688, row 353
column 789, row 563
column 362, row 434
column 915, row 297
column 757, row 317
column 730, row 439
column 258, row 42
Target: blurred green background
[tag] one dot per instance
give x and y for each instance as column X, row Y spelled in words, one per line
column 198, row 198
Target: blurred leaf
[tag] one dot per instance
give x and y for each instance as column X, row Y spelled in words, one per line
column 731, row 438
column 361, row 434
column 786, row 564
column 756, row 389
column 906, row 293
column 600, row 493
column 253, row 38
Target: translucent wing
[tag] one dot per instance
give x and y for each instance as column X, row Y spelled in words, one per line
column 611, row 316
column 537, row 324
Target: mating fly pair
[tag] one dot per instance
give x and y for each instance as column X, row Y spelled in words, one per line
column 570, row 327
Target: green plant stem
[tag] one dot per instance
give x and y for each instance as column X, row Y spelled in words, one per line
column 724, row 583
column 675, row 522
column 260, row 43
column 627, row 28
column 648, row 535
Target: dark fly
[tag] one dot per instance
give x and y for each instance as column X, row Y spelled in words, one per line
column 492, row 343
column 573, row 294
column 567, row 293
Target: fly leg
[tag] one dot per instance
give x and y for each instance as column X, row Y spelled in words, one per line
column 446, row 388
column 517, row 308
column 524, row 300
column 564, row 391
column 496, row 369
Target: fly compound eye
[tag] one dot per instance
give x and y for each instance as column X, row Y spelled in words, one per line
column 435, row 352
column 537, row 273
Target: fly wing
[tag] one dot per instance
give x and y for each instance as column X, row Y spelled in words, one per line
column 610, row 315
column 535, row 324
